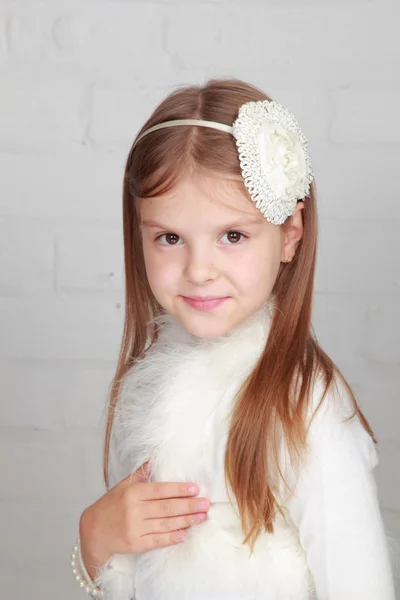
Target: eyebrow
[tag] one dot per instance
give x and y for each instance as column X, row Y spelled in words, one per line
column 232, row 225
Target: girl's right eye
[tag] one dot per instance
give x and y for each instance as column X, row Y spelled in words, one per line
column 171, row 239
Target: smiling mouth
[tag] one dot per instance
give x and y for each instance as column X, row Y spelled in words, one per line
column 205, row 302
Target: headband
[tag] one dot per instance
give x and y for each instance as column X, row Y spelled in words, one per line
column 273, row 155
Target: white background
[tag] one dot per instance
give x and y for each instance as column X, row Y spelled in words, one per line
column 77, row 80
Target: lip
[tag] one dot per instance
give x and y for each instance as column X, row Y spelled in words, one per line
column 205, row 303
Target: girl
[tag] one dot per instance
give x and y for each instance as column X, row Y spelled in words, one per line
column 241, row 462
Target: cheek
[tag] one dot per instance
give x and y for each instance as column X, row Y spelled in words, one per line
column 257, row 269
column 161, row 271
column 258, row 276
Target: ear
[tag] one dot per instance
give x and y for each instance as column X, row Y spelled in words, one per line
column 292, row 233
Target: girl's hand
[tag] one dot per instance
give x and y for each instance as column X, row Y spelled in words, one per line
column 135, row 516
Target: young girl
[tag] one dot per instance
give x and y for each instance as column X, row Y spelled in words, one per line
column 241, row 463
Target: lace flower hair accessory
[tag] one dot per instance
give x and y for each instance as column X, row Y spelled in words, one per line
column 273, row 155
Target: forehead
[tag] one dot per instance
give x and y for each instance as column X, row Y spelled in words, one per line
column 201, row 196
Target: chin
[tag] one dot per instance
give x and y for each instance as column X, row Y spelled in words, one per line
column 208, row 326
column 207, row 333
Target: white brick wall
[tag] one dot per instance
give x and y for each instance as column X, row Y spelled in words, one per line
column 77, row 80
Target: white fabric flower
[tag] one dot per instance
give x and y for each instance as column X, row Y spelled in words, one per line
column 274, row 158
column 281, row 157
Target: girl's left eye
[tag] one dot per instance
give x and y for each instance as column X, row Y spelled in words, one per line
column 234, row 236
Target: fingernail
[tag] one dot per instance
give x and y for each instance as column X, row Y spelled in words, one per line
column 203, row 503
column 192, row 489
column 181, row 536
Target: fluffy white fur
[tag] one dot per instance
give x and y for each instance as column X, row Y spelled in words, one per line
column 174, row 411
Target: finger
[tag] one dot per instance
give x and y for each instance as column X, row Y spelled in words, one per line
column 160, row 490
column 174, row 507
column 160, row 540
column 169, row 524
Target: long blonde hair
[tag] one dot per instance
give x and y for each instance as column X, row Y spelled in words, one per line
column 292, row 355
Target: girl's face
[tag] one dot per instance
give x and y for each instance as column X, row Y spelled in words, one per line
column 211, row 257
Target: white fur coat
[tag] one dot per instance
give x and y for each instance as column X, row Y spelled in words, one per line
column 174, row 409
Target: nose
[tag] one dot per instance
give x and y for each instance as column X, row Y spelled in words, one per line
column 200, row 267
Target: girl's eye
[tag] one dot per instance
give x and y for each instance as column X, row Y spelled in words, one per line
column 234, row 236
column 171, row 239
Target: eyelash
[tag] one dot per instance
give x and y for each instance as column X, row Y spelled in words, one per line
column 226, row 233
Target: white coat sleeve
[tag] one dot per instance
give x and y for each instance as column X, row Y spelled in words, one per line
column 336, row 510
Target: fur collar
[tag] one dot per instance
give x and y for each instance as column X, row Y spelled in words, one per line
column 182, row 381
